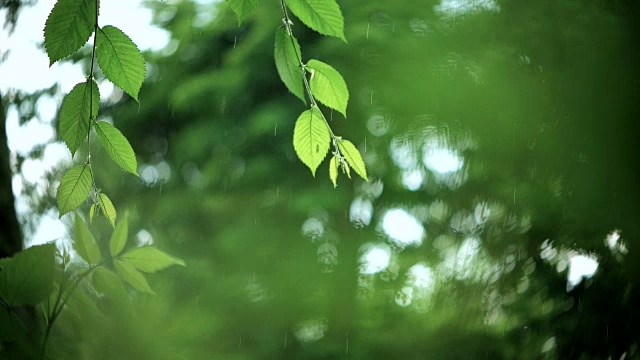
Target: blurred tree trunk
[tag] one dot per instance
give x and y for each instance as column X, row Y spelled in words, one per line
column 10, row 236
column 11, row 243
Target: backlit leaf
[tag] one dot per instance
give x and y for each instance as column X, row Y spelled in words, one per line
column 132, row 276
column 353, row 157
column 323, row 16
column 119, row 236
column 243, row 8
column 120, row 60
column 74, row 188
column 27, row 278
column 150, row 259
column 107, row 208
column 117, row 147
column 311, row 138
column 68, row 27
column 76, row 111
column 84, row 243
column 333, row 170
column 328, row 86
column 287, row 51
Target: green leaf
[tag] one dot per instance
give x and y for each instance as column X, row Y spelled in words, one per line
column 68, row 27
column 333, row 171
column 311, row 138
column 353, row 157
column 323, row 16
column 243, row 8
column 27, row 278
column 119, row 237
column 78, row 107
column 107, row 208
column 287, row 51
column 84, row 243
column 120, row 60
column 150, row 259
column 83, row 305
column 328, row 86
column 74, row 188
column 93, row 211
column 11, row 327
column 132, row 276
column 117, row 147
column 107, row 282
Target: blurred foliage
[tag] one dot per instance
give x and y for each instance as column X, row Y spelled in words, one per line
column 539, row 99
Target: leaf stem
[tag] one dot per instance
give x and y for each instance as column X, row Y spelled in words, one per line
column 90, row 78
column 307, row 87
column 61, row 301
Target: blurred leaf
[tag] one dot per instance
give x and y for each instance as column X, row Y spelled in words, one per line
column 353, row 157
column 120, row 60
column 323, row 16
column 84, row 243
column 117, row 147
column 107, row 282
column 243, row 8
column 78, row 107
column 11, row 326
column 287, row 51
column 328, row 86
column 150, row 259
column 74, row 188
column 68, row 27
column 311, row 138
column 132, row 276
column 119, row 237
column 80, row 303
column 27, row 278
column 107, row 208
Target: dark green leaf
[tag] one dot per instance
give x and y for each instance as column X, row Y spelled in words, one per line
column 27, row 278
column 74, row 188
column 117, row 147
column 311, row 138
column 323, row 16
column 68, row 27
column 84, row 243
column 328, row 86
column 287, row 53
column 150, row 259
column 120, row 60
column 11, row 326
column 78, row 107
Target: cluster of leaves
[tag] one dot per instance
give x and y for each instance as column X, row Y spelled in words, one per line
column 33, row 276
column 29, row 278
column 69, row 27
column 315, row 80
